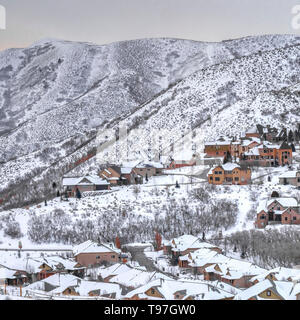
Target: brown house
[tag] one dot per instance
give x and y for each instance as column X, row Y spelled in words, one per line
column 278, row 211
column 268, row 155
column 217, row 148
column 121, row 175
column 229, row 173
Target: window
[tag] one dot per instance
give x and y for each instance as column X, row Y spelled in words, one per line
column 236, row 179
column 268, row 293
column 262, row 217
column 97, row 257
column 285, row 218
column 294, row 218
column 113, row 257
column 152, row 291
column 210, row 178
column 217, row 179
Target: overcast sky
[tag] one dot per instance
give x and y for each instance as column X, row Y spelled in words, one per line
column 105, row 21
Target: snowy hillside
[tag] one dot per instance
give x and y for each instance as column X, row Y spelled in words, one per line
column 55, row 94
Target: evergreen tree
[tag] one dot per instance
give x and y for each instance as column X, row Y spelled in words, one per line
column 275, row 194
column 293, row 147
column 78, row 194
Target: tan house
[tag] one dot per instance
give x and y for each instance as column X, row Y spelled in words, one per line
column 290, row 178
column 90, row 253
column 268, row 290
column 148, row 168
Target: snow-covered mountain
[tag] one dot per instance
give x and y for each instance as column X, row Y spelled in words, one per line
column 55, row 94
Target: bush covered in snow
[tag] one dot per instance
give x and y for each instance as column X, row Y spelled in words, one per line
column 196, row 214
column 10, row 226
column 269, row 248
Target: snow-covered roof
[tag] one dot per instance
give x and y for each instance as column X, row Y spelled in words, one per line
column 84, row 287
column 136, row 277
column 284, row 289
column 93, row 247
column 226, row 167
column 7, row 273
column 168, row 288
column 218, row 143
column 254, row 290
column 290, row 174
column 86, row 180
column 185, row 242
column 285, row 202
column 126, row 170
column 113, row 270
column 252, row 152
column 280, row 273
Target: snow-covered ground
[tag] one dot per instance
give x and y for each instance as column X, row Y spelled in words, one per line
column 147, row 199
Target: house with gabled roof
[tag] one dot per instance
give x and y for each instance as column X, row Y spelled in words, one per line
column 229, row 173
column 267, row 154
column 277, row 211
column 84, row 184
column 278, row 274
column 91, row 253
column 290, row 178
column 181, row 246
column 161, row 289
column 215, row 266
column 121, row 175
column 268, row 290
column 12, row 277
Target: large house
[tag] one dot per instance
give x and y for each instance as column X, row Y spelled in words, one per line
column 117, row 175
column 148, row 168
column 229, row 173
column 290, row 178
column 269, row 290
column 277, row 211
column 83, row 184
column 267, row 154
column 91, row 253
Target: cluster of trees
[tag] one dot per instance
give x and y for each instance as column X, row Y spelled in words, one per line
column 268, row 248
column 10, row 226
column 203, row 214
